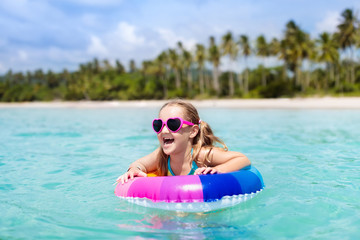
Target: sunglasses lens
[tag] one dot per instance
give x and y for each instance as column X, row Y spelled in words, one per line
column 157, row 125
column 173, row 124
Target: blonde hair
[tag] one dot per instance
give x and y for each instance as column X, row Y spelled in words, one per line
column 204, row 139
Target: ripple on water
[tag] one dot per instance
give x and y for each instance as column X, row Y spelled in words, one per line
column 51, row 185
column 49, row 134
column 7, row 187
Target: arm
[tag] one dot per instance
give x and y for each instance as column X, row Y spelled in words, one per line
column 222, row 161
column 140, row 167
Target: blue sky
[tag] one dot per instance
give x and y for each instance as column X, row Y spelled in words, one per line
column 58, row 34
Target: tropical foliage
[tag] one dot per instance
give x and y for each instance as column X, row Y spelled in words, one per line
column 326, row 65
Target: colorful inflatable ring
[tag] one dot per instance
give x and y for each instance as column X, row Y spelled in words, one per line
column 193, row 193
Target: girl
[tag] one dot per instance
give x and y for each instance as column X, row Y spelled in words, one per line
column 186, row 147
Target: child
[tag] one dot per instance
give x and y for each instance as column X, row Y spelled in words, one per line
column 186, row 147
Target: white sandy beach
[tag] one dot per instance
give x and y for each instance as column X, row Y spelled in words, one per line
column 281, row 103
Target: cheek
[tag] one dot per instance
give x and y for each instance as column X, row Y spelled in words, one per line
column 182, row 136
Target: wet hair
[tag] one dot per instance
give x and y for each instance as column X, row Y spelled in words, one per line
column 204, row 139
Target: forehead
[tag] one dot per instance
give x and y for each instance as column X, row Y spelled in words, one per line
column 171, row 112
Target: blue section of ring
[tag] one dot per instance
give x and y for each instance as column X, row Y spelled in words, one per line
column 219, row 185
column 254, row 170
column 244, row 181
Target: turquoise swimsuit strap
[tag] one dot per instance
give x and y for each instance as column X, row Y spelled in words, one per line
column 192, row 170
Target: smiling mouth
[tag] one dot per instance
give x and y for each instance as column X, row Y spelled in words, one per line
column 168, row 141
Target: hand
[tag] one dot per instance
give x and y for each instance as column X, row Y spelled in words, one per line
column 205, row 170
column 131, row 173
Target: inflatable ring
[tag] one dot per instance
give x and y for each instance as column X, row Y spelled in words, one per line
column 193, row 193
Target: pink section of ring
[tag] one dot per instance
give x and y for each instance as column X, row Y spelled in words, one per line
column 163, row 189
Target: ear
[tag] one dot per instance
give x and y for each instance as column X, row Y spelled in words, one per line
column 194, row 131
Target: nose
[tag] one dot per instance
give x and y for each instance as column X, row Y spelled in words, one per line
column 165, row 129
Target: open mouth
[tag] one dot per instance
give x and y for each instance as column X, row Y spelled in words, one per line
column 168, row 141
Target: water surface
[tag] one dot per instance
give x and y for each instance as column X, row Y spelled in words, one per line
column 57, row 167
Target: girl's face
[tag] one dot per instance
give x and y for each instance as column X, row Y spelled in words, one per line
column 171, row 142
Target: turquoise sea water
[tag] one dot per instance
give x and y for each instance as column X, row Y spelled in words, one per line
column 57, row 167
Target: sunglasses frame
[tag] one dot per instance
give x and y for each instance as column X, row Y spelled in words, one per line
column 182, row 122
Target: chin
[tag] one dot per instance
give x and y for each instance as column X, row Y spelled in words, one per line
column 167, row 150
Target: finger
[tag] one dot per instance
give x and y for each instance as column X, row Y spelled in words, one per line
column 199, row 171
column 131, row 175
column 142, row 174
column 126, row 177
column 213, row 171
column 207, row 170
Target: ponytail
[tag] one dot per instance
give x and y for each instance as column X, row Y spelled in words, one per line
column 205, row 139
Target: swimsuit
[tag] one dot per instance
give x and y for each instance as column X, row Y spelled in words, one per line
column 192, row 170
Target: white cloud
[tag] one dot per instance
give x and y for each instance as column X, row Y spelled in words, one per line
column 126, row 33
column 123, row 39
column 171, row 39
column 328, row 24
column 96, row 47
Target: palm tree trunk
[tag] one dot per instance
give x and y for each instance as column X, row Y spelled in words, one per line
column 352, row 67
column 216, row 80
column 207, row 81
column 308, row 79
column 189, row 80
column 231, row 84
column 352, row 73
column 165, row 88
column 240, row 81
column 263, row 74
column 331, row 66
column 263, row 78
column 201, row 80
column 337, row 76
column 326, row 84
column 246, row 82
column 298, row 74
column 177, row 79
column 284, row 71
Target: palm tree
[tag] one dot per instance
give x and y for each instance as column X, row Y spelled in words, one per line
column 311, row 55
column 200, row 57
column 328, row 54
column 186, row 61
column 96, row 66
column 229, row 48
column 214, row 58
column 274, row 47
column 175, row 65
column 145, row 68
column 107, row 65
column 293, row 48
column 347, row 36
column 132, row 66
column 245, row 51
column 262, row 51
column 160, row 64
column 119, row 67
column 158, row 68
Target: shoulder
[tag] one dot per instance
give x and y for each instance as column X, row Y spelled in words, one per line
column 207, row 154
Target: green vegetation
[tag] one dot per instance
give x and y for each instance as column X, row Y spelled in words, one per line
column 326, row 65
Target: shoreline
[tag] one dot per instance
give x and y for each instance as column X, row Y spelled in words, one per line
column 278, row 103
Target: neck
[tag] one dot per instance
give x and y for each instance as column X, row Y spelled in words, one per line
column 181, row 162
